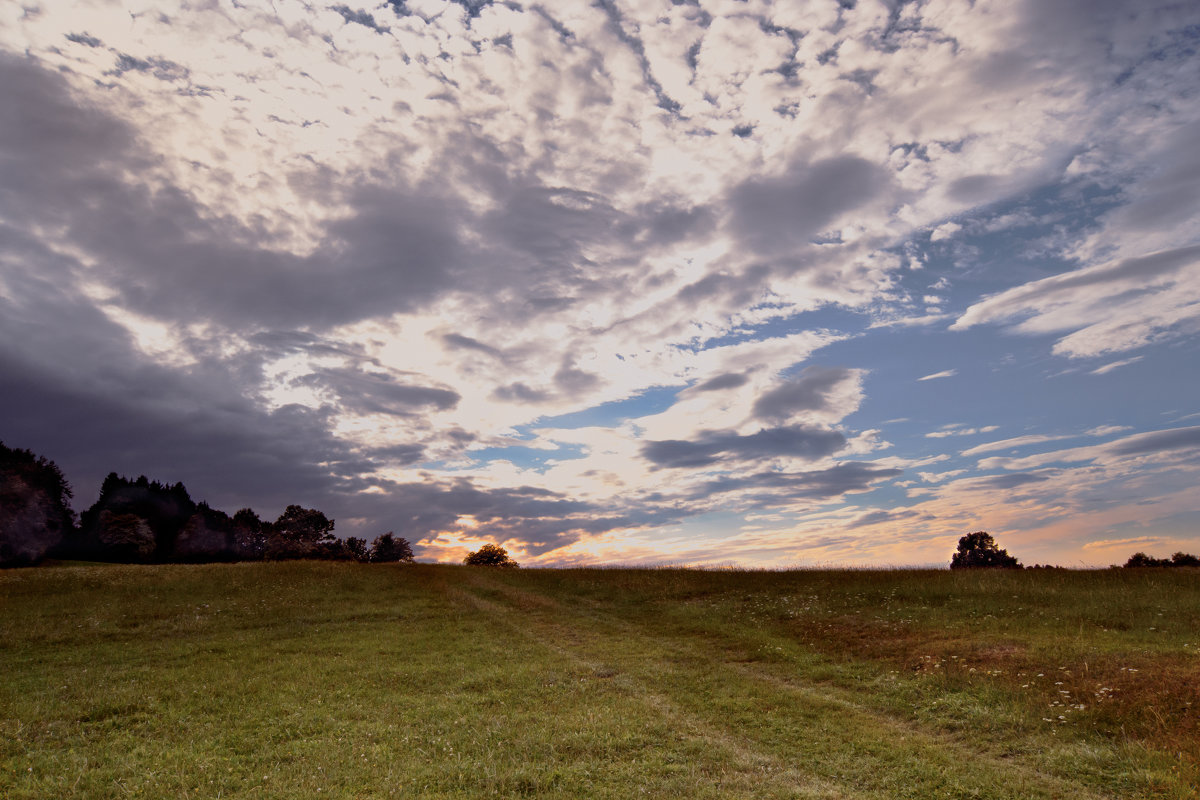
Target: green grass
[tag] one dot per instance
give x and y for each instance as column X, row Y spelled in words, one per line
column 309, row 679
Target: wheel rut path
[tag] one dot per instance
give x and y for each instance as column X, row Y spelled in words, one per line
column 799, row 738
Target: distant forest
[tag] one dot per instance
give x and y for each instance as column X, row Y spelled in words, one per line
column 144, row 521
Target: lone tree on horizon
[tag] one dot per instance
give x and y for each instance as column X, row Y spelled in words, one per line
column 979, row 549
column 490, row 555
column 389, row 548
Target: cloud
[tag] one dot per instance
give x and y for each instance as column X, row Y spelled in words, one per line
column 350, row 255
column 365, row 392
column 1108, row 308
column 879, row 517
column 520, row 393
column 944, row 231
column 726, row 380
column 458, row 341
column 1157, row 442
column 808, row 444
column 775, row 216
column 763, row 489
column 1130, row 542
column 947, row 373
column 1153, row 443
column 1009, row 444
column 1013, row 481
column 958, row 429
column 1107, row 368
column 812, row 390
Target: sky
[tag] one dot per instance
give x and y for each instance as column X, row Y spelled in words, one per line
column 727, row 282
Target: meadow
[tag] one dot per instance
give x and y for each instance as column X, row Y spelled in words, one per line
column 341, row 680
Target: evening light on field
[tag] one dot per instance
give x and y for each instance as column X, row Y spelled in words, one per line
column 618, row 398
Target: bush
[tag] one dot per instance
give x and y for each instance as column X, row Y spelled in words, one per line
column 979, row 549
column 490, row 555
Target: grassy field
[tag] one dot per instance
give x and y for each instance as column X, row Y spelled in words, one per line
column 310, row 679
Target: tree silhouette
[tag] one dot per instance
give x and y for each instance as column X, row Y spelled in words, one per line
column 299, row 533
column 490, row 555
column 164, row 510
column 979, row 549
column 390, row 548
column 35, row 512
column 1180, row 559
column 250, row 535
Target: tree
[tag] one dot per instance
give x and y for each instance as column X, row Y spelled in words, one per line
column 35, row 512
column 1180, row 559
column 1184, row 560
column 299, row 533
column 1143, row 560
column 126, row 537
column 979, row 549
column 356, row 549
column 391, row 548
column 490, row 555
column 164, row 509
column 208, row 535
column 250, row 535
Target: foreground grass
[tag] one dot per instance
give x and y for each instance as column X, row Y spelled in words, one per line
column 352, row 681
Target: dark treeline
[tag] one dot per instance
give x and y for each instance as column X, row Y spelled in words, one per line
column 144, row 521
column 1178, row 560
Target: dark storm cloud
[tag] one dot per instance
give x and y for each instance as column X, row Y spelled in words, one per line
column 712, row 447
column 807, row 392
column 43, row 133
column 776, row 215
column 774, row 488
column 1159, row 441
column 136, row 419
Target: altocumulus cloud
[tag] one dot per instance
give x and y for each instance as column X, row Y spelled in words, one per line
column 568, row 275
